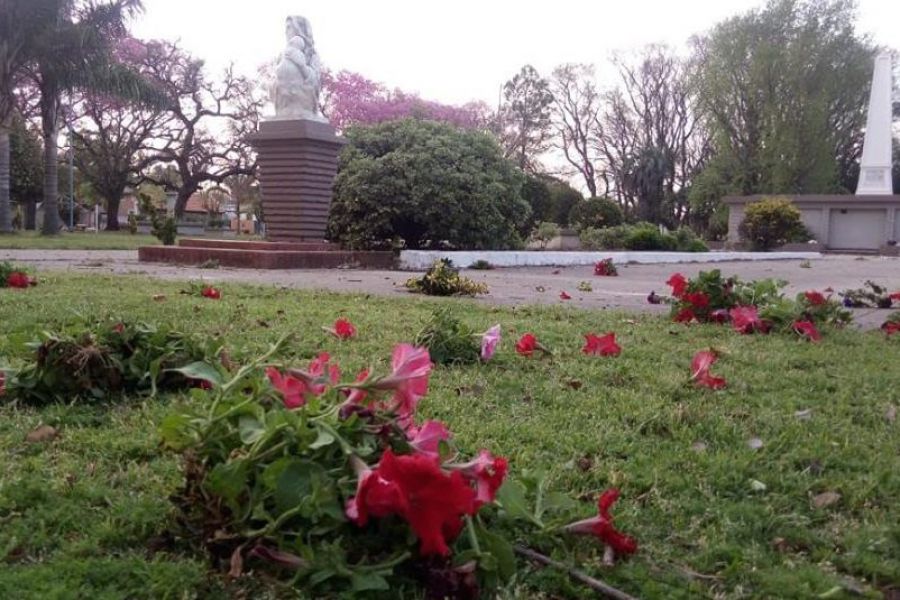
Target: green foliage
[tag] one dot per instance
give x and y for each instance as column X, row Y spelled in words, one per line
column 6, row 269
column 132, row 224
column 26, row 164
column 428, row 183
column 772, row 222
column 442, row 279
column 481, row 265
column 106, row 359
column 536, row 192
column 871, row 295
column 449, row 340
column 544, row 233
column 164, row 228
column 563, row 198
column 641, row 236
column 595, row 213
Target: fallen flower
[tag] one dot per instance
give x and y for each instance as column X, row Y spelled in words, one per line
column 678, row 284
column 745, row 320
column 487, row 472
column 564, row 296
column 2, row 383
column 119, row 328
column 292, row 388
column 409, row 379
column 342, row 329
column 211, row 293
column 685, row 315
column 890, row 327
column 605, row 268
column 653, row 298
column 489, row 342
column 17, row 279
column 601, row 345
column 807, row 329
column 414, row 487
column 426, row 440
column 602, row 526
column 815, row 298
column 527, row 344
column 700, row 366
column 698, row 300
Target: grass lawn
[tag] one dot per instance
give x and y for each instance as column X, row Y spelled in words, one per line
column 714, row 517
column 31, row 240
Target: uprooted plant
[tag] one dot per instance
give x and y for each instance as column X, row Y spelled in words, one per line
column 443, row 279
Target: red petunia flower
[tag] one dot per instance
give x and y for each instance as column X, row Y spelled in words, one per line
column 414, row 487
column 895, row 296
column 700, row 366
column 487, row 472
column 891, row 327
column 685, row 315
column 808, row 330
column 601, row 345
column 719, row 316
column 211, row 293
column 605, row 268
column 409, row 379
column 17, row 279
column 343, row 329
column 563, row 295
column 678, row 284
column 698, row 300
column 815, row 298
column 293, row 389
column 527, row 344
column 427, row 439
column 745, row 320
column 602, row 526
column 2, row 383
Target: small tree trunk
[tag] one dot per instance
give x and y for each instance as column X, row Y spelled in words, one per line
column 112, row 212
column 49, row 116
column 31, row 214
column 184, row 194
column 5, row 206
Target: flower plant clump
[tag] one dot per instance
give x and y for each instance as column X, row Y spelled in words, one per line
column 107, row 359
column 449, row 340
column 334, row 484
column 14, row 277
column 442, row 279
column 605, row 268
column 871, row 295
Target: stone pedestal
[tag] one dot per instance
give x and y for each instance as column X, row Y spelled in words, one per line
column 297, row 165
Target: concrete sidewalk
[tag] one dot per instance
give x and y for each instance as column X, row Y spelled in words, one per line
column 528, row 285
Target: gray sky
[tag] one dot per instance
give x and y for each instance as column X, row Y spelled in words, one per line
column 452, row 51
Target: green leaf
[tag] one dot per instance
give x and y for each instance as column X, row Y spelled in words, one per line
column 250, row 429
column 202, row 371
column 228, row 480
column 297, row 481
column 174, row 431
column 501, row 550
column 362, row 582
column 324, row 439
column 511, row 496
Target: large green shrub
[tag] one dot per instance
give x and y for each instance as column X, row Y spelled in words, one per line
column 595, row 212
column 772, row 222
column 641, row 236
column 428, row 184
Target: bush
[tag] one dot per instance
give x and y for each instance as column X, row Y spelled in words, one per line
column 562, row 198
column 428, row 183
column 772, row 222
column 609, row 238
column 595, row 212
column 442, row 279
column 164, row 229
column 132, row 223
column 536, row 193
column 646, row 236
column 641, row 236
column 544, row 233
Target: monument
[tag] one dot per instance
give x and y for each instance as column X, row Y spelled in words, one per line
column 297, row 147
column 869, row 220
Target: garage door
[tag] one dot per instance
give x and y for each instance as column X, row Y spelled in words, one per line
column 857, row 229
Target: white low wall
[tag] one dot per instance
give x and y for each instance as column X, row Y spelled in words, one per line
column 417, row 260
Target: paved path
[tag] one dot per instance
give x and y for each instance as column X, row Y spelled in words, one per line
column 508, row 286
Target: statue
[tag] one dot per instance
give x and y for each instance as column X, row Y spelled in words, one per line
column 295, row 91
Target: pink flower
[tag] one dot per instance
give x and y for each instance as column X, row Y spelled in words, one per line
column 808, row 330
column 602, row 526
column 321, row 371
column 700, row 367
column 427, row 438
column 292, row 389
column 409, row 379
column 745, row 320
column 697, row 300
column 563, row 295
column 678, row 283
column 487, row 472
column 489, row 342
column 601, row 345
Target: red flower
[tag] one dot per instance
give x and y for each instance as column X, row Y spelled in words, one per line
column 343, row 329
column 808, row 330
column 745, row 319
column 527, row 344
column 719, row 316
column 678, row 284
column 601, row 345
column 487, row 472
column 602, row 526
column 292, row 389
column 891, row 327
column 202, row 384
column 895, row 296
column 17, row 279
column 698, row 300
column 605, row 268
column 815, row 298
column 211, row 293
column 427, row 439
column 2, row 383
column 564, row 296
column 414, row 487
column 685, row 315
column 119, row 328
column 409, row 379
column 321, row 371
column 700, row 366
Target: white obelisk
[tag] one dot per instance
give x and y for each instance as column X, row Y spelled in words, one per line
column 875, row 168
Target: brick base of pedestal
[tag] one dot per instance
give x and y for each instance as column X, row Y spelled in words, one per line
column 297, row 166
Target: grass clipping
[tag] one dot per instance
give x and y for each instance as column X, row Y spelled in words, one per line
column 443, row 279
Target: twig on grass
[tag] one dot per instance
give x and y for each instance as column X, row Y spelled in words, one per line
column 580, row 576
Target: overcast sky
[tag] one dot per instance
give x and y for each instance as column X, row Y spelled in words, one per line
column 452, row 51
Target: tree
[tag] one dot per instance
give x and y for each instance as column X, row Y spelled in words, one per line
column 785, row 91
column 351, row 99
column 113, row 137
column 26, row 173
column 429, row 184
column 576, row 103
column 525, row 118
column 205, row 139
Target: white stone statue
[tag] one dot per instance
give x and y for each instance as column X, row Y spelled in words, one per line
column 295, row 91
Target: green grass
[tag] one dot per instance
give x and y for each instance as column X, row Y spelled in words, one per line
column 31, row 240
column 81, row 516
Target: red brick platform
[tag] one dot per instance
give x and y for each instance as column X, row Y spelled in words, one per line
column 264, row 255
